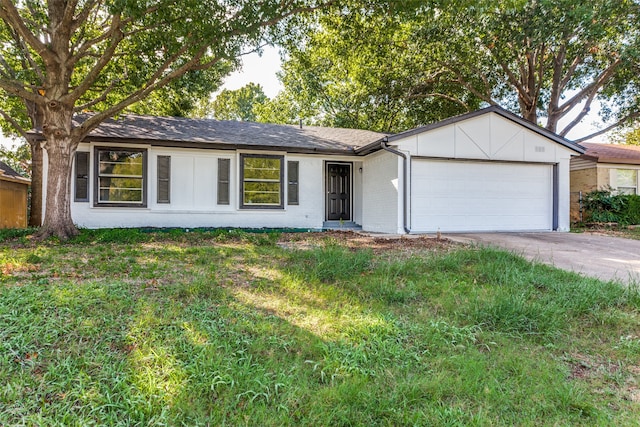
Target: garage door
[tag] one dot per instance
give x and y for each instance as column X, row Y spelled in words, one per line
column 480, row 196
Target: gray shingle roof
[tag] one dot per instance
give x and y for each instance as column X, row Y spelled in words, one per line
column 8, row 174
column 7, row 171
column 175, row 131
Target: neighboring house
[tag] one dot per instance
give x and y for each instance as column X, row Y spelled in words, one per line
column 14, row 191
column 602, row 167
column 484, row 171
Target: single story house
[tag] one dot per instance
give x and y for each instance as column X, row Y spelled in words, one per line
column 602, row 167
column 488, row 170
column 14, row 190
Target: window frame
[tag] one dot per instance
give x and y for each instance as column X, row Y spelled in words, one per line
column 617, row 187
column 96, row 180
column 85, row 178
column 163, row 180
column 280, row 159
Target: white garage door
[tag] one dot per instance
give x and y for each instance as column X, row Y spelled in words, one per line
column 480, row 196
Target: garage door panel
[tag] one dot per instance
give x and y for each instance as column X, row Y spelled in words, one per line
column 481, row 196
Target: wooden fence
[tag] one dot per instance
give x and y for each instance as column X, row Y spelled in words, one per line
column 13, row 202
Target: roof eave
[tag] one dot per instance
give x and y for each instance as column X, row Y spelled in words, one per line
column 19, row 180
column 618, row 161
column 217, row 145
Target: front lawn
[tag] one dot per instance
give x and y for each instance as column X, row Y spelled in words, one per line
column 122, row 327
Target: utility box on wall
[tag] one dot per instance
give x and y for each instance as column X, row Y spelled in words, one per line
column 14, row 191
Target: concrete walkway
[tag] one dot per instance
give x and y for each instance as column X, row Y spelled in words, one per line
column 604, row 257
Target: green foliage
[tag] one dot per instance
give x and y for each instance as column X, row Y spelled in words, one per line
column 18, row 157
column 629, row 136
column 606, row 206
column 240, row 104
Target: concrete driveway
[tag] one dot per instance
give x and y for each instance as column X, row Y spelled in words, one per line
column 604, row 257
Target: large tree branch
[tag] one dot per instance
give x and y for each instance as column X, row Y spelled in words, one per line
column 585, row 110
column 83, row 16
column 102, row 97
column 591, row 88
column 9, row 13
column 20, row 43
column 94, row 73
column 69, row 12
column 556, row 79
column 16, row 88
column 14, row 123
column 610, row 127
column 512, row 79
column 161, row 77
column 152, row 85
column 441, row 95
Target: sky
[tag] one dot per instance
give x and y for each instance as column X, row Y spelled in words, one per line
column 262, row 69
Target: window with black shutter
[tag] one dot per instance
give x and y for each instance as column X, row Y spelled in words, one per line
column 164, row 179
column 120, row 177
column 292, row 183
column 82, row 177
column 224, row 166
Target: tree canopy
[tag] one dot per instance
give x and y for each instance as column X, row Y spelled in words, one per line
column 361, row 67
column 388, row 65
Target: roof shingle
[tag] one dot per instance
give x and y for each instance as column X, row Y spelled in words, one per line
column 613, row 153
column 184, row 131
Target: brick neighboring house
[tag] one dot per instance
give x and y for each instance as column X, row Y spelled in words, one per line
column 13, row 198
column 601, row 167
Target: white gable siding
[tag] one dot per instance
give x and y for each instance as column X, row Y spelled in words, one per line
column 485, row 137
column 381, row 200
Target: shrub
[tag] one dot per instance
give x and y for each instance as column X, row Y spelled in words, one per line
column 605, row 206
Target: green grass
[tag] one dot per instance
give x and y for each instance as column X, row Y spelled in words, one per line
column 121, row 327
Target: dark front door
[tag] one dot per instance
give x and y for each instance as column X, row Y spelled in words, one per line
column 338, row 192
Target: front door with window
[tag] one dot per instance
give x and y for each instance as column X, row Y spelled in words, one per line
column 338, row 192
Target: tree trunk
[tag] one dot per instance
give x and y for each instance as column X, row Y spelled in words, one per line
column 36, row 114
column 35, row 214
column 57, row 219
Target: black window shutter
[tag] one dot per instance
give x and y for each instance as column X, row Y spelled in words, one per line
column 292, row 187
column 164, row 179
column 224, row 166
column 82, row 177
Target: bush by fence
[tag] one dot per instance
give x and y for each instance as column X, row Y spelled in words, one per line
column 606, row 206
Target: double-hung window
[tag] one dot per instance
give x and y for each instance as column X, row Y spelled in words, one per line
column 120, row 177
column 261, row 178
column 625, row 181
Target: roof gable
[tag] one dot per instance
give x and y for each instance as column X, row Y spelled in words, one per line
column 474, row 114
